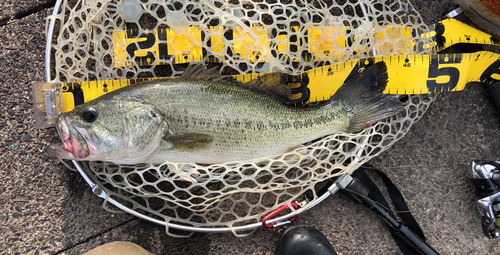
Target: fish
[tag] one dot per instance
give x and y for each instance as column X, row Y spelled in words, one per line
column 206, row 118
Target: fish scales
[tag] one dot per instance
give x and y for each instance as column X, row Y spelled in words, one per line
column 213, row 120
column 243, row 123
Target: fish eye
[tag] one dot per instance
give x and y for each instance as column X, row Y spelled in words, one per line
column 89, row 115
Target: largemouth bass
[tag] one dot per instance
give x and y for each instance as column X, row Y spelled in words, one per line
column 204, row 118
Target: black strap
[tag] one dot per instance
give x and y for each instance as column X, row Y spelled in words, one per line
column 398, row 201
column 400, row 204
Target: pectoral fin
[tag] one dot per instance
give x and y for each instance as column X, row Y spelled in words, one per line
column 189, row 142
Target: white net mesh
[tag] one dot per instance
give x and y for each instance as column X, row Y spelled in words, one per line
column 98, row 40
column 247, row 36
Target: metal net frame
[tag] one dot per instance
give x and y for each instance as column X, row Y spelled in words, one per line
column 88, row 40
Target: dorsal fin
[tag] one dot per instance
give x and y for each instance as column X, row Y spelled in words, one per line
column 271, row 83
column 200, row 72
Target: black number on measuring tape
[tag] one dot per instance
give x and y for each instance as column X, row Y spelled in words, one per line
column 491, row 74
column 440, row 39
column 424, row 45
column 150, row 58
column 407, row 63
column 76, row 90
column 435, row 71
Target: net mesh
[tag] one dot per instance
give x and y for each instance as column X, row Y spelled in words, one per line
column 99, row 40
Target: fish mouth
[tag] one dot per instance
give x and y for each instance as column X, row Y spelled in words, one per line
column 76, row 144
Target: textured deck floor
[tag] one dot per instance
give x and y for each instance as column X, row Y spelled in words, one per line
column 47, row 209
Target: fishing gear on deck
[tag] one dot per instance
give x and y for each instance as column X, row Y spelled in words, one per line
column 361, row 189
column 485, row 175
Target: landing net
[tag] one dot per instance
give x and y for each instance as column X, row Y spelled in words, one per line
column 100, row 40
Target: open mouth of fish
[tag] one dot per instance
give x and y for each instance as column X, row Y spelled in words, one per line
column 76, row 142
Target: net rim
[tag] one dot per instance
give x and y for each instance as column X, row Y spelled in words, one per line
column 103, row 194
column 48, row 44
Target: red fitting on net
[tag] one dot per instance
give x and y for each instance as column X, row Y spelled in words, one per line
column 267, row 217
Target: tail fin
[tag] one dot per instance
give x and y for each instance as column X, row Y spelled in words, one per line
column 364, row 93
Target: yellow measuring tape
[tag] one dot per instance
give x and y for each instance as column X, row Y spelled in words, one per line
column 408, row 74
column 158, row 47
column 412, row 74
column 150, row 47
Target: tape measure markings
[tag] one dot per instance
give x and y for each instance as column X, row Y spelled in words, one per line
column 151, row 46
column 452, row 31
column 427, row 73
